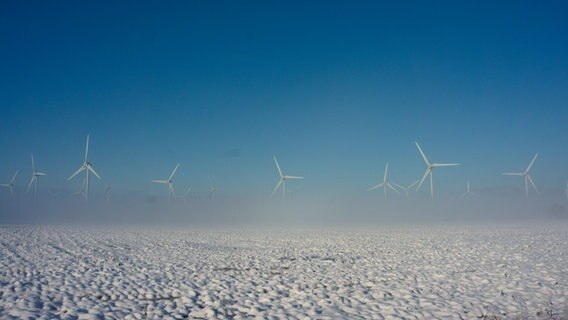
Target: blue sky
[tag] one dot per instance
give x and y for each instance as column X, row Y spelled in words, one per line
column 334, row 89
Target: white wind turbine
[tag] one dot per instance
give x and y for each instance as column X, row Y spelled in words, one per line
column 429, row 170
column 88, row 167
column 35, row 178
column 81, row 191
column 408, row 187
column 527, row 176
column 169, row 183
column 283, row 179
column 11, row 184
column 385, row 184
column 468, row 192
column 213, row 189
column 186, row 194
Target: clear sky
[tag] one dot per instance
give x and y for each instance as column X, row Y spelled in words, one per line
column 334, row 89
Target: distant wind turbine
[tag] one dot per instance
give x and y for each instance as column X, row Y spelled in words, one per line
column 213, row 189
column 526, row 174
column 468, row 192
column 81, row 191
column 88, row 168
column 283, row 179
column 385, row 184
column 186, row 194
column 408, row 187
column 35, row 178
column 429, row 170
column 169, row 183
column 566, row 190
column 10, row 185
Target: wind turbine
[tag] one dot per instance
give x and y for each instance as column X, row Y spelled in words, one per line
column 527, row 176
column 566, row 190
column 385, row 184
column 468, row 192
column 169, row 183
column 407, row 187
column 282, row 181
column 186, row 194
column 429, row 170
column 35, row 178
column 81, row 191
column 11, row 184
column 213, row 189
column 88, row 167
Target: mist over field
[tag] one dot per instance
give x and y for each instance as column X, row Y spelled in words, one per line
column 364, row 210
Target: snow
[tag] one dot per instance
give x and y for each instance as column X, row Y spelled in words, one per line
column 421, row 272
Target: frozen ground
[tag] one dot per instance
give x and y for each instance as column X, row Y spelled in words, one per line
column 450, row 273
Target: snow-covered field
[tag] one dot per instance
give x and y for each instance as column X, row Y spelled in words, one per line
column 422, row 272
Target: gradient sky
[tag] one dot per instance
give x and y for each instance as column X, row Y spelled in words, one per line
column 333, row 89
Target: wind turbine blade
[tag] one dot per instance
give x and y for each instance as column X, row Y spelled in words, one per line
column 87, row 149
column 33, row 163
column 160, row 181
column 412, row 184
column 76, row 172
column 532, row 162
column 174, row 172
column 294, row 177
column 171, row 188
column 13, row 178
column 187, row 192
column 278, row 167
column 399, row 186
column 277, row 186
column 422, row 153
column 513, row 174
column 532, row 183
column 94, row 172
column 377, row 186
column 386, row 172
column 423, row 178
column 437, row 165
column 392, row 188
column 30, row 184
